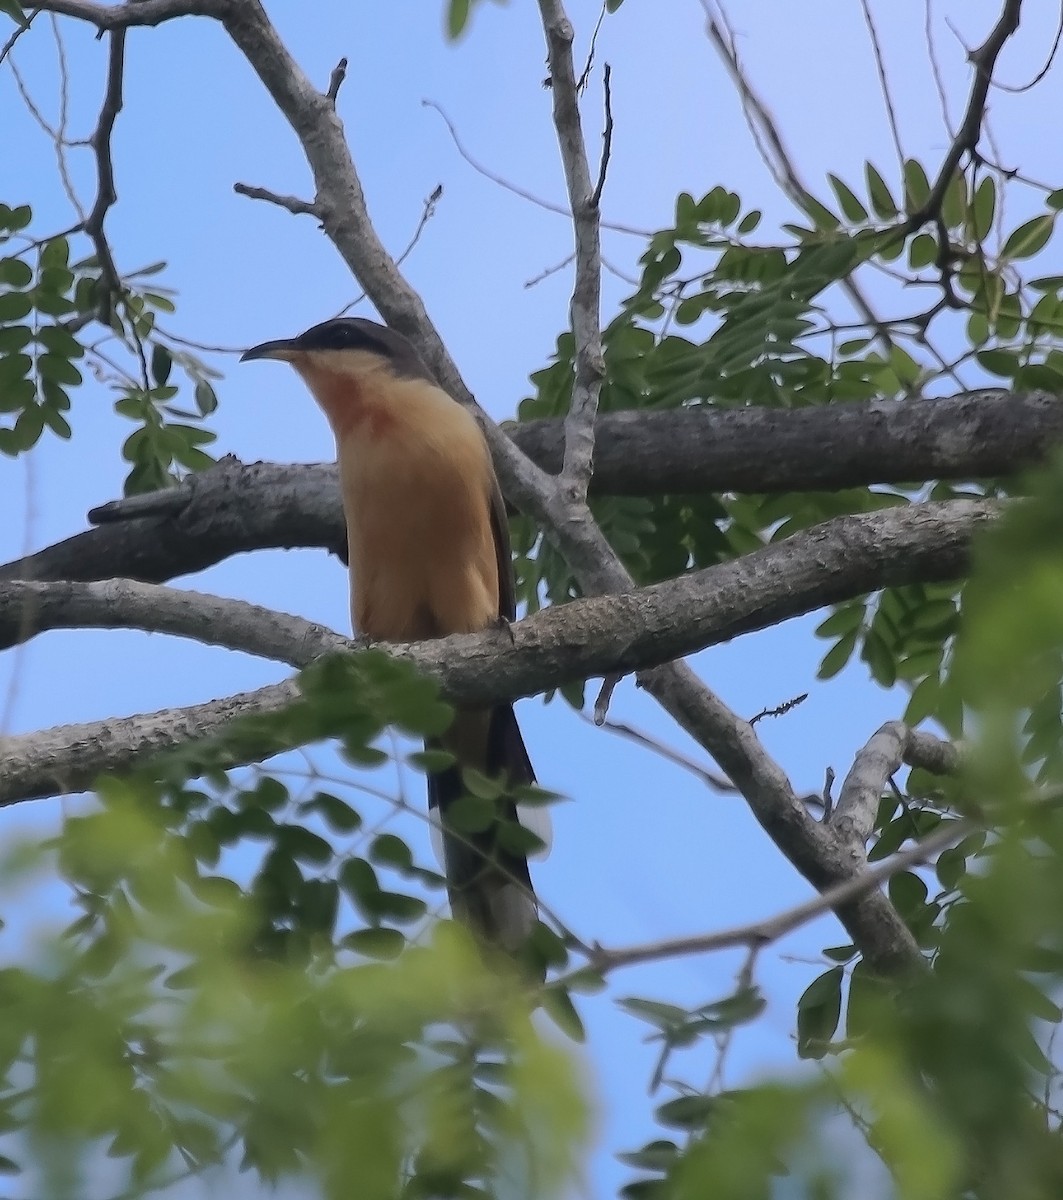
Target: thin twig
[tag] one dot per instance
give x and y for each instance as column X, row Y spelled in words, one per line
column 780, row 710
column 983, row 60
column 428, row 211
column 516, row 189
column 293, row 204
column 601, row 705
column 607, row 137
column 717, row 782
column 106, row 195
column 887, row 98
column 763, row 933
column 339, row 74
column 5, row 50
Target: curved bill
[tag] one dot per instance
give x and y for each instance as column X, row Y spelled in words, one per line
column 284, row 350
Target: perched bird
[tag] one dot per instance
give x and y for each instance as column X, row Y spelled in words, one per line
column 429, row 556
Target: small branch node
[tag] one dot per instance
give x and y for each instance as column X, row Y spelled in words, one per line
column 335, row 82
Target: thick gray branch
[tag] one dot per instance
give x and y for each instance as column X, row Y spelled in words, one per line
column 233, row 508
column 30, row 608
column 133, row 12
column 589, row 637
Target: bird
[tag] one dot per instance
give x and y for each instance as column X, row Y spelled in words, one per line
column 429, row 555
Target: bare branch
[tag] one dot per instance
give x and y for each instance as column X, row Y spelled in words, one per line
column 523, row 193
column 585, row 309
column 777, row 157
column 292, row 203
column 874, row 765
column 28, row 609
column 590, row 638
column 69, row 758
column 574, row 641
column 232, row 508
column 983, row 60
column 108, row 17
column 716, row 782
column 607, row 138
column 780, row 710
column 757, row 934
column 106, row 195
column 339, row 74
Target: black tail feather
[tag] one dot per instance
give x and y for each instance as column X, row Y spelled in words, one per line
column 489, row 885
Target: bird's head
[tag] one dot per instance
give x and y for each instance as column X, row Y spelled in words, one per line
column 342, row 359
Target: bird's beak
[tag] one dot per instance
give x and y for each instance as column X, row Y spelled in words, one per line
column 283, row 350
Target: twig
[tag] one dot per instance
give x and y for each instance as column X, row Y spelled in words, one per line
column 935, row 67
column 106, row 195
column 5, row 50
column 293, row 204
column 607, row 138
column 545, row 274
column 339, row 74
column 601, row 705
column 716, row 782
column 776, row 156
column 828, row 799
column 428, row 210
column 875, row 763
column 1017, row 89
column 887, row 99
column 516, row 189
column 983, row 60
column 757, row 934
column 781, row 710
column 585, row 74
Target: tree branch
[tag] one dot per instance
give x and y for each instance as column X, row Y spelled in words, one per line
column 757, row 934
column 28, row 609
column 231, row 508
column 983, row 60
column 564, row 642
column 134, row 12
column 585, row 305
column 875, row 764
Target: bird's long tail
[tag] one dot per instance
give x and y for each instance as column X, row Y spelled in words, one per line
column 487, row 873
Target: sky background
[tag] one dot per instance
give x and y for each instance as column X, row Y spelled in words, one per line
column 643, row 851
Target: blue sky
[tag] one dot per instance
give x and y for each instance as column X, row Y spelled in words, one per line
column 642, row 851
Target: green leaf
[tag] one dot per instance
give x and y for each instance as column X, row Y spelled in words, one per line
column 851, row 207
column 558, row 1006
column 818, row 1011
column 923, row 701
column 922, row 251
column 338, row 813
column 837, row 656
column 1029, row 238
column 471, row 814
column 687, row 1112
column 15, row 273
column 15, row 11
column 750, row 221
column 983, row 209
column 392, row 851
column 302, row 843
column 916, row 186
column 14, row 306
column 58, row 369
column 161, row 363
column 380, row 943
column 457, row 17
column 206, row 398
column 954, row 203
column 882, row 202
